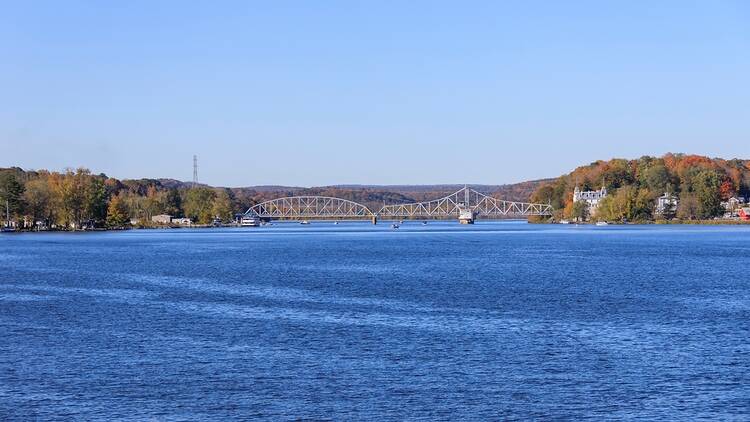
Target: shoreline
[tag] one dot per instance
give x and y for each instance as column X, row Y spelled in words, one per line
column 663, row 222
column 588, row 223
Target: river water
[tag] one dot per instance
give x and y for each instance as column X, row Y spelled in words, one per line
column 500, row 320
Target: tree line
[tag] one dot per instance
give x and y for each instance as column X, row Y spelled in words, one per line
column 700, row 184
column 76, row 199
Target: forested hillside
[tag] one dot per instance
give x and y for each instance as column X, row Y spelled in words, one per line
column 700, row 183
column 77, row 198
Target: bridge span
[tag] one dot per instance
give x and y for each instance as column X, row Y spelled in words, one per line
column 466, row 204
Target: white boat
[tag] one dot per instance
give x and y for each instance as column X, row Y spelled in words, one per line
column 466, row 215
column 335, row 223
column 304, row 222
column 395, row 226
column 602, row 223
column 249, row 222
column 564, row 222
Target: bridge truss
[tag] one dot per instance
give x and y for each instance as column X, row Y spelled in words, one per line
column 309, row 207
column 465, row 200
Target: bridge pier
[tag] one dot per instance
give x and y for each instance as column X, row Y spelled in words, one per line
column 374, row 219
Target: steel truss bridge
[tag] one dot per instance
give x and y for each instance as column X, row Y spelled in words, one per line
column 465, row 204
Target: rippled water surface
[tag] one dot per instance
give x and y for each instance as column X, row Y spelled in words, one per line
column 348, row 322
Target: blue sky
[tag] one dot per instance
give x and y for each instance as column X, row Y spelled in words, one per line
column 386, row 92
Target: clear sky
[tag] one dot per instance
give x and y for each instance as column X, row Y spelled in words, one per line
column 383, row 92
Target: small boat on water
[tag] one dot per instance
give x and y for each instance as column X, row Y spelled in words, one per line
column 424, row 223
column 395, row 226
column 602, row 223
column 304, row 222
column 564, row 222
column 335, row 223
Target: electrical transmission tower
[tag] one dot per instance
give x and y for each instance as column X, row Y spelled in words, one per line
column 195, row 170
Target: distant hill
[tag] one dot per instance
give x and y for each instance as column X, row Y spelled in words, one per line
column 514, row 192
column 376, row 195
column 373, row 196
column 178, row 184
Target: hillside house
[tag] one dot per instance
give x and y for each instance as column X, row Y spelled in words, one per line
column 591, row 197
column 666, row 203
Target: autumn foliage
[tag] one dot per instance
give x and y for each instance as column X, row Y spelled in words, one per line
column 701, row 184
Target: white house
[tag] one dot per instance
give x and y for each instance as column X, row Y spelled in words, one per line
column 162, row 219
column 182, row 221
column 733, row 203
column 591, row 197
column 666, row 203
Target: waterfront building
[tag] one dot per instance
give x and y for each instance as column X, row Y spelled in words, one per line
column 733, row 203
column 591, row 197
column 161, row 219
column 666, row 203
column 182, row 221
